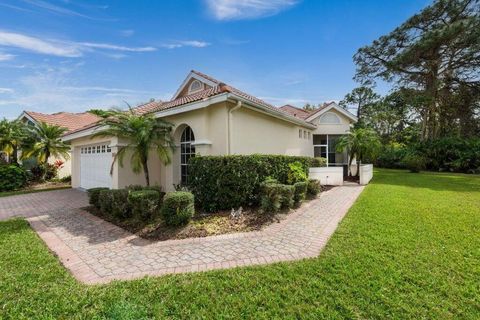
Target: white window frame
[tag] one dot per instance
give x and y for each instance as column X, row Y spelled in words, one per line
column 200, row 88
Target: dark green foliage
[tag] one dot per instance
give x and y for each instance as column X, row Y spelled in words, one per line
column 318, row 162
column 296, row 173
column 12, row 177
column 300, row 192
column 178, row 208
column 446, row 154
column 66, row 179
column 43, row 172
column 414, row 162
column 121, row 208
column 105, row 200
column 313, row 188
column 225, row 182
column 94, row 196
column 287, row 193
column 145, row 203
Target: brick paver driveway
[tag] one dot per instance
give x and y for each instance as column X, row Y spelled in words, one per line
column 96, row 251
column 40, row 203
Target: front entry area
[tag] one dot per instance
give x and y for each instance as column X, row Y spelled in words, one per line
column 324, row 145
column 95, row 164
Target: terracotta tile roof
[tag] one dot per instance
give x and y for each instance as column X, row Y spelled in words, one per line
column 204, row 94
column 296, row 112
column 71, row 121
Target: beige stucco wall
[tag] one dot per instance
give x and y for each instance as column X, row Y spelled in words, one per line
column 342, row 128
column 255, row 132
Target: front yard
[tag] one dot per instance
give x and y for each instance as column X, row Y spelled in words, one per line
column 409, row 248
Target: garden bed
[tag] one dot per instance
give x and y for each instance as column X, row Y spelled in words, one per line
column 201, row 225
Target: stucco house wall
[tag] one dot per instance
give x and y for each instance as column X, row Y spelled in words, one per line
column 255, row 132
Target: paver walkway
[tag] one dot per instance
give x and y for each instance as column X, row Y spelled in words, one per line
column 96, row 251
column 40, row 203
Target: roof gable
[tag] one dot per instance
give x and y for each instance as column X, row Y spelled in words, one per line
column 327, row 107
column 206, row 82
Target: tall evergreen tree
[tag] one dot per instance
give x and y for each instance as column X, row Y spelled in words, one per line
column 436, row 52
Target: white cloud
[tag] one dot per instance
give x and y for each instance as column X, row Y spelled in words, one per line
column 185, row 43
column 247, row 9
column 57, row 9
column 37, row 45
column 6, row 56
column 6, row 90
column 115, row 47
column 60, row 48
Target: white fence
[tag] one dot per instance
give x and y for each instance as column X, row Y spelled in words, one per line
column 327, row 175
column 366, row 173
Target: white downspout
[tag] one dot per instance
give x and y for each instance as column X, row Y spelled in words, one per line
column 230, row 125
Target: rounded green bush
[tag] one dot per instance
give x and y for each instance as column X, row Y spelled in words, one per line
column 313, row 187
column 300, row 192
column 12, row 177
column 178, row 208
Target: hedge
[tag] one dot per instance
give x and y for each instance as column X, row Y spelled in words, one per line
column 94, row 196
column 225, row 182
column 12, row 177
column 145, row 203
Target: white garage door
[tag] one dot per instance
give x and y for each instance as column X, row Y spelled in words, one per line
column 95, row 163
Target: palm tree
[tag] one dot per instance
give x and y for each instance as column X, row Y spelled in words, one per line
column 361, row 144
column 12, row 135
column 46, row 142
column 144, row 134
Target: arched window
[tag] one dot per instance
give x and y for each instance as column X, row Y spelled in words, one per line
column 187, row 150
column 330, row 118
column 195, row 86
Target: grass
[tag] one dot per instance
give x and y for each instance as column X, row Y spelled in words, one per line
column 408, row 249
column 17, row 192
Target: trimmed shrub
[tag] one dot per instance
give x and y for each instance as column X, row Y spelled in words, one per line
column 94, row 196
column 144, row 203
column 105, row 200
column 178, row 208
column 121, row 208
column 12, row 177
column 271, row 197
column 287, row 193
column 225, row 182
column 319, row 162
column 300, row 192
column 313, row 188
column 296, row 173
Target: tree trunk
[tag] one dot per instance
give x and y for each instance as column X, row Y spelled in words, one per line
column 14, row 158
column 145, row 172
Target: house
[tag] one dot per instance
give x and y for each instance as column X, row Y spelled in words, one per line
column 67, row 120
column 211, row 118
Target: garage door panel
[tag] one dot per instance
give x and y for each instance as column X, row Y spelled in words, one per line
column 95, row 164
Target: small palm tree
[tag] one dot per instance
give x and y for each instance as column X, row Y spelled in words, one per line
column 46, row 142
column 361, row 144
column 12, row 135
column 144, row 134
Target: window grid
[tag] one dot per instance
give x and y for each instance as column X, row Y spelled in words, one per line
column 187, row 151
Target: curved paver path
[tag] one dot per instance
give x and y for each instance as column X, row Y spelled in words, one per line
column 96, row 251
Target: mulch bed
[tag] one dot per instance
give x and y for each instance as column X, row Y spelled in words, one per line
column 46, row 185
column 352, row 179
column 201, row 225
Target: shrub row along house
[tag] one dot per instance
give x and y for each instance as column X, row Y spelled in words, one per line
column 210, row 118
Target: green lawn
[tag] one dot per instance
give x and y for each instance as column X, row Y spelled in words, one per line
column 409, row 248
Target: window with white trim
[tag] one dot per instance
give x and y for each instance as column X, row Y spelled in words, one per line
column 195, row 86
column 329, row 118
column 187, row 151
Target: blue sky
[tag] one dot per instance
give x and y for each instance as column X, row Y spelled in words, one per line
column 72, row 55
